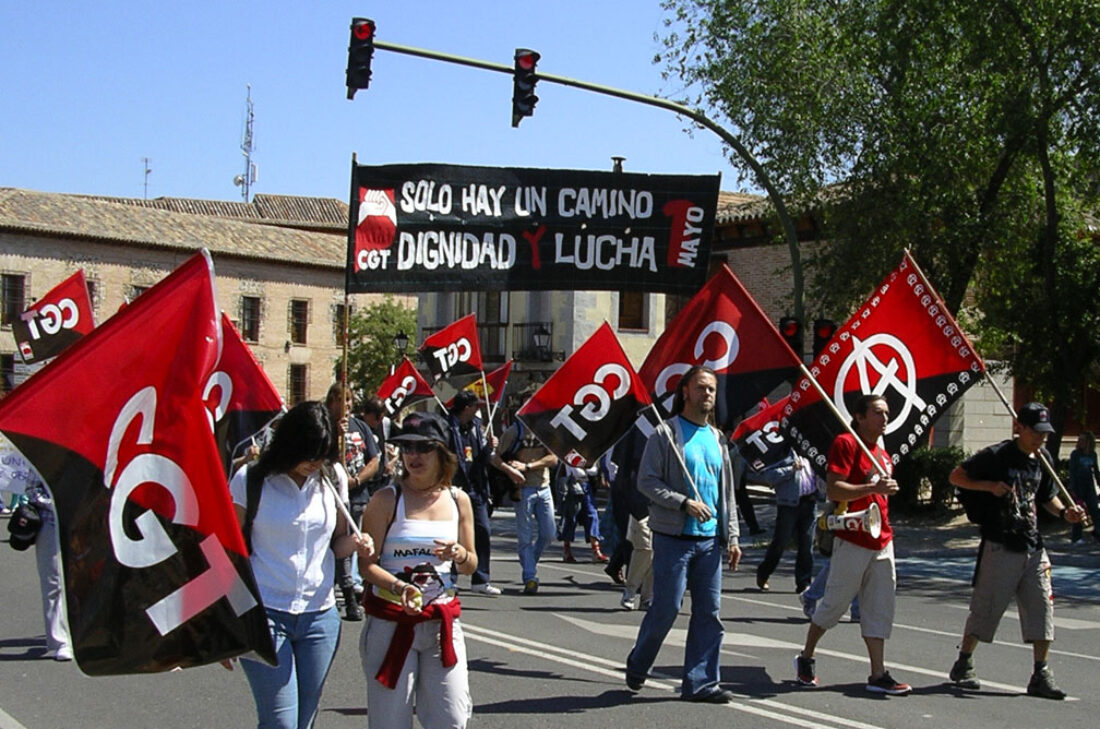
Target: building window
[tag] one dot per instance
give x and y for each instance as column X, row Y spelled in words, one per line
column 14, row 293
column 632, row 310
column 7, row 373
column 299, row 320
column 338, row 323
column 250, row 318
column 297, row 383
column 93, row 289
column 135, row 291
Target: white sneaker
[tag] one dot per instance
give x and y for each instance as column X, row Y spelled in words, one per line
column 63, row 654
column 486, row 588
column 629, row 600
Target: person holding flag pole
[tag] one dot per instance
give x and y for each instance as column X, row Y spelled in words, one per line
column 687, row 474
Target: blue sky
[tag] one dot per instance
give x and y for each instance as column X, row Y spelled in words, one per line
column 90, row 89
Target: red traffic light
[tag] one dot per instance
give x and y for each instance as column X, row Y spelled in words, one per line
column 824, row 329
column 363, row 30
column 527, row 60
column 789, row 326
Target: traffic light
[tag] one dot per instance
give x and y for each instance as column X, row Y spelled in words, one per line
column 360, row 53
column 523, row 84
column 824, row 329
column 791, row 329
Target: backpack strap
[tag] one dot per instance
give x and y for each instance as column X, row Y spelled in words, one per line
column 254, row 484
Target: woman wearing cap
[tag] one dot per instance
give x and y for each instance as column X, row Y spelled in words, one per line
column 412, row 648
column 295, row 533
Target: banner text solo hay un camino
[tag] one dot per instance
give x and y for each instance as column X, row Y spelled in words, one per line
column 434, row 227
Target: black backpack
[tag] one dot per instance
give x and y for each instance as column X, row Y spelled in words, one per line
column 981, row 506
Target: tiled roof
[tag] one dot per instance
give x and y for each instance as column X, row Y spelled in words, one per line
column 738, row 206
column 285, row 210
column 136, row 223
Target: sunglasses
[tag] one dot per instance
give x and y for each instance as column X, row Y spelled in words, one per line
column 418, row 446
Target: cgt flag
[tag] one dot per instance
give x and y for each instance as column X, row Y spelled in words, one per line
column 59, row 318
column 902, row 344
column 589, row 403
column 239, row 396
column 453, row 351
column 723, row 328
column 496, row 381
column 404, row 387
column 156, row 571
column 759, row 438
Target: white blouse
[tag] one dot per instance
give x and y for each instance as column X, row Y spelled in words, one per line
column 292, row 557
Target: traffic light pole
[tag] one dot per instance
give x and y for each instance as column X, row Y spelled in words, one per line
column 695, row 115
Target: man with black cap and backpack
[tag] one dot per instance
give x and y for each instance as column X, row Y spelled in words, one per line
column 1011, row 559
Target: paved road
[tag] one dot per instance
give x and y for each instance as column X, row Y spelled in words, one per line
column 554, row 660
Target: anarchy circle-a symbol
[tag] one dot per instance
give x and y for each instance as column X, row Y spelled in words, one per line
column 865, row 358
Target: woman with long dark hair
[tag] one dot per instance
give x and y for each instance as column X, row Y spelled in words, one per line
column 295, row 530
column 412, row 649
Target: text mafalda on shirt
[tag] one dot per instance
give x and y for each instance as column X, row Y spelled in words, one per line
column 557, row 224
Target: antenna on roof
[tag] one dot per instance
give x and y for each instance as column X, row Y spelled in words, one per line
column 245, row 181
column 145, row 194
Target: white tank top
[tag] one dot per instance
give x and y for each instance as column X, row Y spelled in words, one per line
column 407, row 551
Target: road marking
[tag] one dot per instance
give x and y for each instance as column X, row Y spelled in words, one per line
column 767, row 708
column 7, row 721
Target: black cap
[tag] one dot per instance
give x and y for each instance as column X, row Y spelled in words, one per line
column 464, row 399
column 1035, row 416
column 23, row 526
column 422, row 426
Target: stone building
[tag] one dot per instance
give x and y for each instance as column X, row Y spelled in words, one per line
column 278, row 261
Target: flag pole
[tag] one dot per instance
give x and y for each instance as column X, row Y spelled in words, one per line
column 1062, row 490
column 679, row 455
column 343, row 509
column 488, row 408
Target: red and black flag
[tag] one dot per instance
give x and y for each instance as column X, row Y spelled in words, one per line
column 404, row 387
column 903, row 344
column 491, row 389
column 589, row 403
column 453, row 351
column 723, row 328
column 759, row 438
column 59, row 318
column 239, row 396
column 156, row 571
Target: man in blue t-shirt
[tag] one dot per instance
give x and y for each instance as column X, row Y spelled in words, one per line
column 687, row 474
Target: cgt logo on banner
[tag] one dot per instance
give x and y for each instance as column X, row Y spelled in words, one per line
column 710, row 331
column 404, row 387
column 589, row 403
column 59, row 318
column 454, row 350
column 155, row 546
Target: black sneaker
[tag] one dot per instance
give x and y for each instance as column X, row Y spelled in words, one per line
column 717, row 696
column 964, row 675
column 530, row 587
column 1042, row 685
column 885, row 684
column 634, row 683
column 804, row 669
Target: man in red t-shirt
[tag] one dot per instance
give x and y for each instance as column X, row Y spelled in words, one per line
column 861, row 564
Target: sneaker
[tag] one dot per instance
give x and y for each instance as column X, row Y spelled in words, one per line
column 530, row 587
column 885, row 684
column 808, row 605
column 646, row 605
column 762, row 583
column 629, row 600
column 964, row 675
column 63, row 654
column 1042, row 685
column 485, row 588
column 616, row 575
column 717, row 696
column 805, row 670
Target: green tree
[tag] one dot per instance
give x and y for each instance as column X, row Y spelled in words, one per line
column 965, row 131
column 371, row 331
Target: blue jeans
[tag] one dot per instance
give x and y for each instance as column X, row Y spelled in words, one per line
column 791, row 521
column 287, row 695
column 534, row 527
column 679, row 565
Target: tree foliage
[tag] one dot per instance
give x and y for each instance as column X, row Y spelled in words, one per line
column 370, row 343
column 967, row 132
